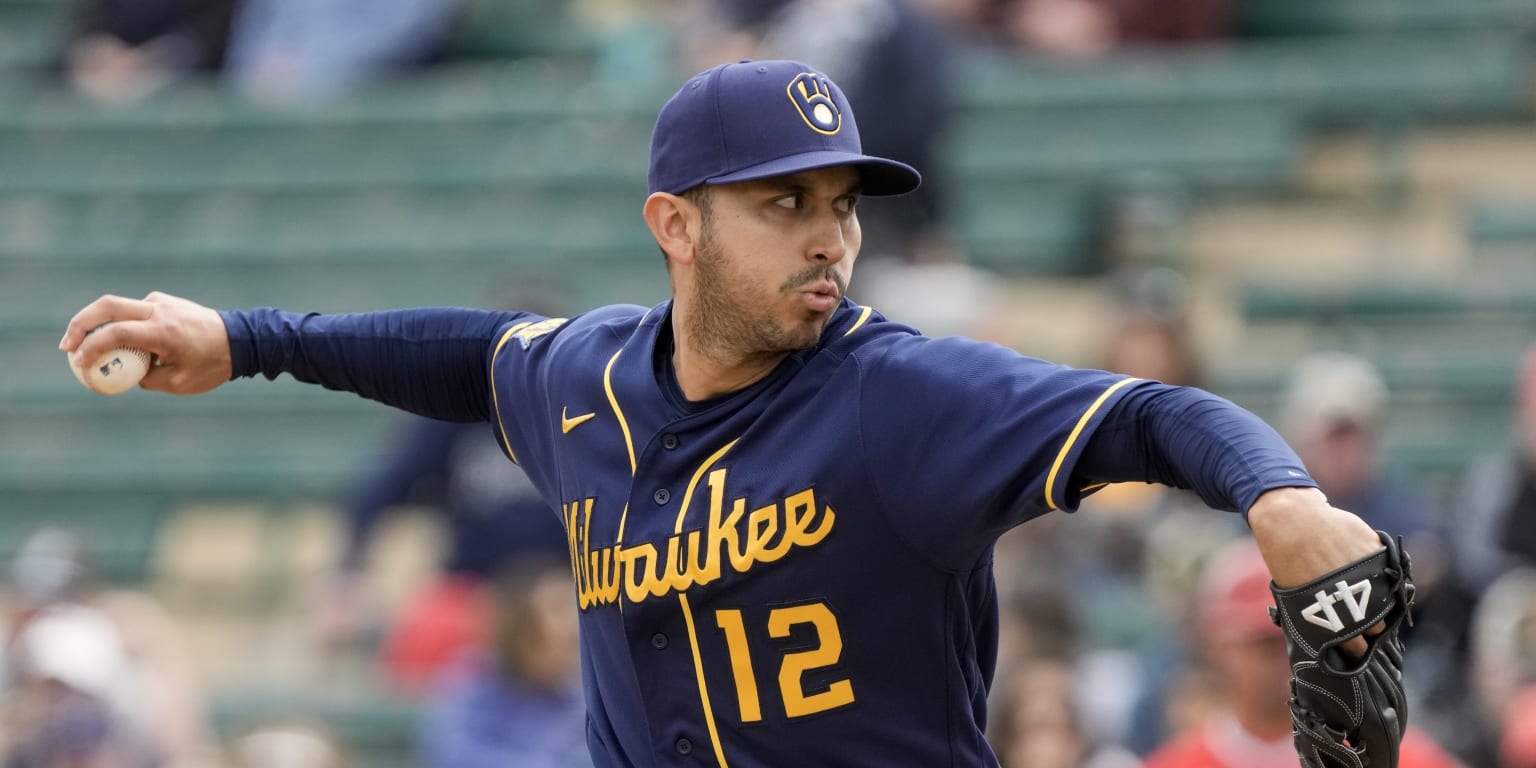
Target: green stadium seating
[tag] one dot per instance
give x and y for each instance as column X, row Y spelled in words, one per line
column 1313, row 17
column 1332, row 79
column 259, row 441
column 464, row 184
column 301, row 156
column 38, row 295
column 376, row 221
column 1215, row 145
column 377, row 728
column 1021, row 227
column 509, row 29
column 504, row 93
column 1501, row 222
column 1431, row 303
column 1448, row 353
column 118, row 526
column 33, row 32
column 1447, row 338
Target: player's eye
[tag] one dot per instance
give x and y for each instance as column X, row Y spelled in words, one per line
column 846, row 204
column 788, row 201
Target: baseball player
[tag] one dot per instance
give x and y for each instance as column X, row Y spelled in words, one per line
column 780, row 507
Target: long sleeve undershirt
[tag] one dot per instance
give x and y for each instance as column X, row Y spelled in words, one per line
column 433, row 362
column 1190, row 438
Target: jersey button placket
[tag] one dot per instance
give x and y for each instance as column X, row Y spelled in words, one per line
column 684, row 746
column 670, row 442
column 659, row 641
column 661, row 496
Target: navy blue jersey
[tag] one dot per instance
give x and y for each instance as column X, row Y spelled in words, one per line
column 802, row 566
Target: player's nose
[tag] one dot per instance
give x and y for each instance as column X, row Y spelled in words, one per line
column 830, row 240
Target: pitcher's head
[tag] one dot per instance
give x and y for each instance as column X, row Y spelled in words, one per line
column 755, row 119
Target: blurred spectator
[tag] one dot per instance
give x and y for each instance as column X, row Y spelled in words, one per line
column 939, row 299
column 276, row 50
column 1493, row 548
column 492, row 515
column 518, row 700
column 95, row 677
column 1333, row 412
column 1150, row 336
column 1496, row 519
column 1502, row 670
column 1036, row 721
column 1517, row 742
column 1087, row 28
column 67, row 706
column 122, row 50
column 892, row 60
column 286, row 50
column 1248, row 724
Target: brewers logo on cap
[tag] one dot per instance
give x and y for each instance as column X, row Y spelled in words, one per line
column 812, row 95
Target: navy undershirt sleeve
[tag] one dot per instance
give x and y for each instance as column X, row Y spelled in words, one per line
column 430, row 361
column 1190, row 438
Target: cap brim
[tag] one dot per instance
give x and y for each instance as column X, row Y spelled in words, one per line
column 878, row 176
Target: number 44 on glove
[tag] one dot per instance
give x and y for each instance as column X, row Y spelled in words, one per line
column 1348, row 712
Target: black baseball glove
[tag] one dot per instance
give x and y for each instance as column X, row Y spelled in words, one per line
column 1348, row 712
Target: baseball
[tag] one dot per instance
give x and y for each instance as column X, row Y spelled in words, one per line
column 116, row 370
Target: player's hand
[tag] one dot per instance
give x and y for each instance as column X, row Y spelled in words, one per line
column 1302, row 537
column 189, row 342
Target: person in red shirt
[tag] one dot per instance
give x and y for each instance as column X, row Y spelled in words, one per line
column 1248, row 724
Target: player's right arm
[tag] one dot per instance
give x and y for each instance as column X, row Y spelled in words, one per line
column 427, row 361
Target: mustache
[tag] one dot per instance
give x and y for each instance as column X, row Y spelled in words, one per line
column 815, row 275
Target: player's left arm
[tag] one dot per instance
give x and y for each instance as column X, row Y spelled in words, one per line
column 1190, row 438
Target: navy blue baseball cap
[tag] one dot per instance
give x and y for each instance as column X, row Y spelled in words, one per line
column 756, row 119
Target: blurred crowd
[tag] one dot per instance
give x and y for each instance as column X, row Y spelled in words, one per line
column 1134, row 631
column 122, row 49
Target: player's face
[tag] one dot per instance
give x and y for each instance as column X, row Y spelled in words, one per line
column 1256, row 674
column 774, row 259
column 545, row 649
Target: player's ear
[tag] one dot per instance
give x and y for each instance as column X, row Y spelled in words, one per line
column 674, row 222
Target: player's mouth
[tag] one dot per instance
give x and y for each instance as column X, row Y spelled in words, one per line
column 821, row 296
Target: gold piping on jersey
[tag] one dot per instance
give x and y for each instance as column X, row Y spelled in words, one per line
column 694, row 483
column 629, row 444
column 1066, row 447
column 698, row 668
column 495, row 402
column 863, row 318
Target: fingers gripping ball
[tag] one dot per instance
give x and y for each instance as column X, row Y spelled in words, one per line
column 116, row 370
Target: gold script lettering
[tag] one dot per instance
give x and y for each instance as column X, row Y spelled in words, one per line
column 692, row 558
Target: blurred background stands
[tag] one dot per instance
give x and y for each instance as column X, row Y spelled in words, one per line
column 1340, row 175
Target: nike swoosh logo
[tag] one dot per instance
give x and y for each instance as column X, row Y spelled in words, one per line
column 566, row 425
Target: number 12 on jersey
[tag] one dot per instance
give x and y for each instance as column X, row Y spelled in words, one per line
column 828, row 650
